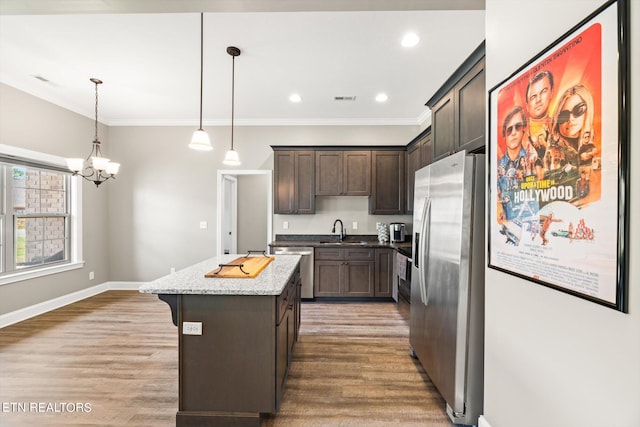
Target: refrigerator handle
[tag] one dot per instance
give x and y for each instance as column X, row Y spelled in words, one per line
column 424, row 250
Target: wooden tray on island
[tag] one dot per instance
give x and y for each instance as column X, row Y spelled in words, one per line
column 244, row 267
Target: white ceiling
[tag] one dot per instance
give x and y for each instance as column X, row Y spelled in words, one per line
column 150, row 61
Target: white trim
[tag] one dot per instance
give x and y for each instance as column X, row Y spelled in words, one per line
column 44, row 271
column 274, row 122
column 43, row 307
column 36, row 156
column 482, row 422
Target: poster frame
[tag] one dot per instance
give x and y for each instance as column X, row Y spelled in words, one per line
column 610, row 117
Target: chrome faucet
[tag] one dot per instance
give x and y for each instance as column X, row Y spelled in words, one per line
column 342, row 233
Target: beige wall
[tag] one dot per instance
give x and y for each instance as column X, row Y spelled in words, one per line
column 552, row 359
column 30, row 123
column 164, row 189
column 252, row 212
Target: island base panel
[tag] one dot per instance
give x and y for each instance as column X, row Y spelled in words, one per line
column 230, row 368
column 217, row 419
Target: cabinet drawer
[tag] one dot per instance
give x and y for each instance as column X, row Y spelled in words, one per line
column 329, row 254
column 358, row 254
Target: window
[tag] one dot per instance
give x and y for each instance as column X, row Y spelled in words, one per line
column 38, row 217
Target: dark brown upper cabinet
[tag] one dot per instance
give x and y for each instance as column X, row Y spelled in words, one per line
column 388, row 182
column 294, row 181
column 343, row 173
column 458, row 109
column 419, row 153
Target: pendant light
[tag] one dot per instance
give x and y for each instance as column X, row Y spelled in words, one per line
column 98, row 169
column 232, row 158
column 200, row 139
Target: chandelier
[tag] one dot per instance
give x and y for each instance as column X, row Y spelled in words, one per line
column 95, row 168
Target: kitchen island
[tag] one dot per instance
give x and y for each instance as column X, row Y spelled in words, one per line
column 235, row 339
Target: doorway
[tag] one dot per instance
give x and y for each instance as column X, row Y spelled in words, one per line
column 239, row 209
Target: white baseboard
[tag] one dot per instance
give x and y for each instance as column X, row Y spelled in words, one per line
column 482, row 422
column 43, row 307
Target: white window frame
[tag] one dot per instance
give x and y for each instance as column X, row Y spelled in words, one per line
column 75, row 210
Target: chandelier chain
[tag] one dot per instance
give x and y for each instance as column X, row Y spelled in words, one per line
column 96, row 109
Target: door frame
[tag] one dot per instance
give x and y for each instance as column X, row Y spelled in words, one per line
column 231, row 199
column 221, row 176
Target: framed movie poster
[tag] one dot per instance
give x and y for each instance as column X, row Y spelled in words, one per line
column 558, row 143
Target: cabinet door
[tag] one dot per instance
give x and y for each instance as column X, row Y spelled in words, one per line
column 442, row 126
column 357, row 173
column 305, row 186
column 283, row 181
column 414, row 160
column 329, row 170
column 471, row 107
column 426, row 151
column 328, row 278
column 282, row 357
column 388, row 182
column 384, row 272
column 359, row 279
column 418, row 156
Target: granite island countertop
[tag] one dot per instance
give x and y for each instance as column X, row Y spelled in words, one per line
column 190, row 280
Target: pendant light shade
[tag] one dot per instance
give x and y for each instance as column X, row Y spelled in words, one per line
column 200, row 139
column 232, row 158
column 95, row 167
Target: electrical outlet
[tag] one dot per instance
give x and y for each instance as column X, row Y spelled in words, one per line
column 285, row 225
column 354, row 225
column 92, row 275
column 191, row 328
column 172, row 270
column 203, row 225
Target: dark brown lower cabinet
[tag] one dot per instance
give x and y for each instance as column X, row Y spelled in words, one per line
column 384, row 272
column 352, row 272
column 237, row 368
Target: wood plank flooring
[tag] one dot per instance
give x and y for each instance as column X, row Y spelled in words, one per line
column 116, row 354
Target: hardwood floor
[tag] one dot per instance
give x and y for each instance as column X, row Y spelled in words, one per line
column 115, row 354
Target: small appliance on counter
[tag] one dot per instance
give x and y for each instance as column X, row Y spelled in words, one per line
column 397, row 232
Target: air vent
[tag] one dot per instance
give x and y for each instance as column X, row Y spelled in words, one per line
column 344, row 98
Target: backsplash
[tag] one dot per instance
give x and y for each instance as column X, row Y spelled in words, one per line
column 349, row 209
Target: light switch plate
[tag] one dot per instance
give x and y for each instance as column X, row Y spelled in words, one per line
column 354, row 225
column 191, row 328
column 203, row 224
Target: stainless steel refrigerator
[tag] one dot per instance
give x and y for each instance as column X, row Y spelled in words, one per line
column 447, row 281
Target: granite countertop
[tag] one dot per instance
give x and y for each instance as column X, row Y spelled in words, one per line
column 271, row 281
column 321, row 241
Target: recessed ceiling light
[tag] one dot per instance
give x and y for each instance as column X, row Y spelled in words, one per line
column 410, row 40
column 295, row 98
column 381, row 97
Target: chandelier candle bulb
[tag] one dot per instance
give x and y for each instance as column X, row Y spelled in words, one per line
column 100, row 163
column 112, row 168
column 75, row 165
